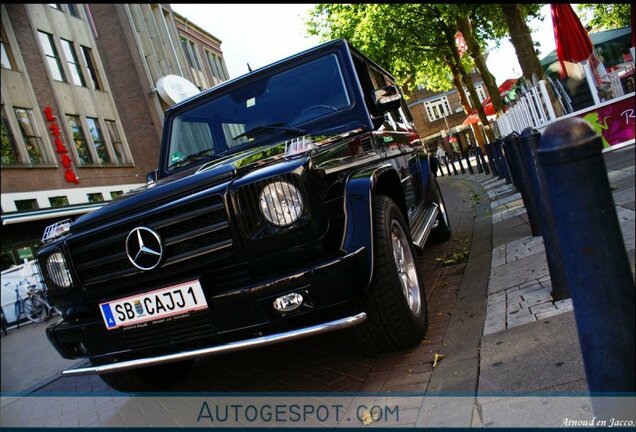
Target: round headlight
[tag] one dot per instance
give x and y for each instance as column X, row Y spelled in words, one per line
column 281, row 203
column 58, row 270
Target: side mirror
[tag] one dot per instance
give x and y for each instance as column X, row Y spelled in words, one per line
column 387, row 98
column 151, row 177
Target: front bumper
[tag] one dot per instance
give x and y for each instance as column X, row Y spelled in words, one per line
column 231, row 347
column 237, row 319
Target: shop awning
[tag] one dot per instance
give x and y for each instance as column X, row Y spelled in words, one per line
column 48, row 213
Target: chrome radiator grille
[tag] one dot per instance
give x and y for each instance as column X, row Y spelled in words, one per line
column 193, row 234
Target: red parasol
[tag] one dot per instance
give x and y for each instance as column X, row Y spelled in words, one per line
column 573, row 44
column 572, row 41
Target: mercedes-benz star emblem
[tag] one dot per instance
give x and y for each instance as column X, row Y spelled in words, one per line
column 143, row 247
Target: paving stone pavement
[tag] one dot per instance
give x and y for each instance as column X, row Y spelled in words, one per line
column 520, row 290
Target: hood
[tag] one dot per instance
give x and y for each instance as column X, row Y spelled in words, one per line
column 182, row 183
column 210, row 174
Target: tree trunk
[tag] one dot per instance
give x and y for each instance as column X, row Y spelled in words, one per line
column 521, row 39
column 464, row 26
column 467, row 80
column 457, row 80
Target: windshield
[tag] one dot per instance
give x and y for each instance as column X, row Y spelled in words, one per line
column 277, row 104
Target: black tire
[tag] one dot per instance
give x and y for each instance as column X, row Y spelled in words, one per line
column 391, row 322
column 148, row 379
column 34, row 310
column 442, row 231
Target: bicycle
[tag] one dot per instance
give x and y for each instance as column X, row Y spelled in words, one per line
column 36, row 306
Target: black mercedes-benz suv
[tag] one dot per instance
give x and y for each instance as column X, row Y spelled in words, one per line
column 287, row 202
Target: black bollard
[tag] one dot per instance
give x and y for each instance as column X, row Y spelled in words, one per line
column 511, row 159
column 528, row 145
column 496, row 153
column 481, row 158
column 484, row 164
column 454, row 167
column 470, row 167
column 448, row 170
column 521, row 177
column 480, row 170
column 458, row 156
column 491, row 162
column 596, row 264
column 503, row 162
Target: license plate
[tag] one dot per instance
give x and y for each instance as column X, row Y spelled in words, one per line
column 153, row 305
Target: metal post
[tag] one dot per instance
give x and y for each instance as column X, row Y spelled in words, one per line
column 596, row 264
column 529, row 144
column 458, row 156
column 480, row 169
column 505, row 164
column 491, row 159
column 454, row 167
column 470, row 167
column 521, row 180
column 482, row 157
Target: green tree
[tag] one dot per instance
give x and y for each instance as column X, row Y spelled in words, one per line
column 521, row 39
column 380, row 32
column 605, row 16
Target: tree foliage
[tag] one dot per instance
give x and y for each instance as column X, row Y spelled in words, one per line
column 403, row 38
column 605, row 16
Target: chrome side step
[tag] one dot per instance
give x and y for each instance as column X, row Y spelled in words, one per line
column 421, row 232
column 231, row 347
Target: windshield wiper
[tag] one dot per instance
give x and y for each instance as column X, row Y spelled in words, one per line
column 275, row 126
column 191, row 157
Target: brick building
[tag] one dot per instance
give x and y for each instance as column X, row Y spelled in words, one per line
column 81, row 117
column 439, row 116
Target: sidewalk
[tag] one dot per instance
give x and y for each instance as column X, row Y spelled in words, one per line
column 530, row 343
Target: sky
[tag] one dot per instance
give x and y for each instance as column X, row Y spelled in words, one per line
column 260, row 34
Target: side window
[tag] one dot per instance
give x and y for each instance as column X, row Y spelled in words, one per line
column 371, row 80
column 397, row 118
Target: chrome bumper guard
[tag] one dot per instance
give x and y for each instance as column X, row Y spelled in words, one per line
column 231, row 347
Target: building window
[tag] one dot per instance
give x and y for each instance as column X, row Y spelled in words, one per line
column 32, row 140
column 81, row 146
column 10, row 153
column 7, row 59
column 95, row 197
column 115, row 194
column 58, row 201
column 216, row 66
column 73, row 64
column 52, row 57
column 57, row 6
column 438, row 109
column 72, row 9
column 28, row 204
column 92, row 69
column 115, row 140
column 480, row 93
column 98, row 140
column 190, row 50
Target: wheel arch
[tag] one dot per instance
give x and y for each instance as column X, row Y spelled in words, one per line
column 361, row 188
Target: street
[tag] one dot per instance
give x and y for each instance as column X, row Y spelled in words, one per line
column 531, row 347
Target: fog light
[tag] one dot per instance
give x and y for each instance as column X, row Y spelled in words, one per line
column 288, row 302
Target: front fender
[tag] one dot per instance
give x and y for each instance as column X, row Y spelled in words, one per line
column 358, row 209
